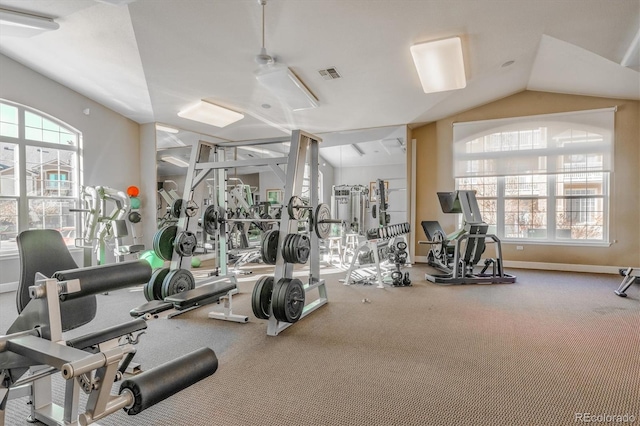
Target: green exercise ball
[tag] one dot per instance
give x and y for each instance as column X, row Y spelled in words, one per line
column 195, row 262
column 154, row 261
column 135, row 202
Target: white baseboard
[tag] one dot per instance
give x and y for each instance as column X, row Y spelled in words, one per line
column 7, row 287
column 567, row 267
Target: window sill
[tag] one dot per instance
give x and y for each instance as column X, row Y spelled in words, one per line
column 574, row 243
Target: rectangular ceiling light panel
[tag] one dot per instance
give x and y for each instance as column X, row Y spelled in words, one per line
column 284, row 84
column 440, row 65
column 20, row 24
column 175, row 161
column 208, row 113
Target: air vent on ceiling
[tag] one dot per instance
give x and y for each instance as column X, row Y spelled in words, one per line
column 330, row 73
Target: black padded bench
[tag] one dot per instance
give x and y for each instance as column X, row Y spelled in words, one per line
column 199, row 296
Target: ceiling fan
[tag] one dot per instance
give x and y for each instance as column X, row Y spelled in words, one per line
column 280, row 80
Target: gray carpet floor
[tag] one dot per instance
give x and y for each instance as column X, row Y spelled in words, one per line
column 538, row 352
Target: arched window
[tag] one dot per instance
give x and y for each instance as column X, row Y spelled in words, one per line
column 540, row 178
column 39, row 174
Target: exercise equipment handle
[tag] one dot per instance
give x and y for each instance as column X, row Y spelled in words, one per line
column 105, row 278
column 161, row 382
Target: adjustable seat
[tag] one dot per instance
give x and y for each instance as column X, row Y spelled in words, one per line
column 44, row 251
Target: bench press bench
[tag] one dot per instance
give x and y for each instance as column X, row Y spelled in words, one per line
column 220, row 288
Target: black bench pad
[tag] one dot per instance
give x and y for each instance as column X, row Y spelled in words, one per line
column 113, row 332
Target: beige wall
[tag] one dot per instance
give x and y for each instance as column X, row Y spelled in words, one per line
column 434, row 173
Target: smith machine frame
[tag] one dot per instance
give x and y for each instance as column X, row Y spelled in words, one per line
column 201, row 166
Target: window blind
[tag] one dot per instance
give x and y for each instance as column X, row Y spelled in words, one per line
column 571, row 142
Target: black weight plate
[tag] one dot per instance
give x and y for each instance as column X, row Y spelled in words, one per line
column 163, row 242
column 303, row 248
column 288, row 301
column 177, row 281
column 147, row 289
column 186, row 243
column 396, row 276
column 153, row 289
column 291, row 248
column 261, row 297
column 176, row 208
column 286, row 249
column 210, row 220
column 269, row 246
column 401, row 245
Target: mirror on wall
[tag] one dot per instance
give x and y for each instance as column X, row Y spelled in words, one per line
column 361, row 160
column 352, row 162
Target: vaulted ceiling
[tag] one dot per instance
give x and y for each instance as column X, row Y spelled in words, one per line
column 149, row 59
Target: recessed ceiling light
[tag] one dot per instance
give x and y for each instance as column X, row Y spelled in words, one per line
column 440, row 65
column 208, row 113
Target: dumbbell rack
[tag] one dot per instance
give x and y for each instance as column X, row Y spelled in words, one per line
column 387, row 235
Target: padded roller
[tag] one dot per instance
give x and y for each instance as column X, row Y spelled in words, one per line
column 105, row 278
column 161, row 382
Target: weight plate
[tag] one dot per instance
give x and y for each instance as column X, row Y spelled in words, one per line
column 401, row 245
column 261, row 297
column 322, row 228
column 269, row 246
column 438, row 249
column 210, row 218
column 396, row 276
column 176, row 208
column 191, row 209
column 153, row 289
column 163, row 242
column 186, row 243
column 287, row 252
column 295, row 208
column 302, row 249
column 177, row 281
column 288, row 300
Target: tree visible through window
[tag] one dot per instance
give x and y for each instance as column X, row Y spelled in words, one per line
column 39, row 173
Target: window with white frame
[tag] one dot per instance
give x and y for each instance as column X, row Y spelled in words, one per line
column 540, row 178
column 39, row 174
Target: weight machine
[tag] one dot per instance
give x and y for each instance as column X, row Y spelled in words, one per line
column 91, row 363
column 102, row 226
column 456, row 255
column 350, row 203
column 630, row 275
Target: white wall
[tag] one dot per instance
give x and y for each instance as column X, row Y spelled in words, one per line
column 110, row 141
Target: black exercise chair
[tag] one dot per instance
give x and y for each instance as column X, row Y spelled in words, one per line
column 44, row 251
